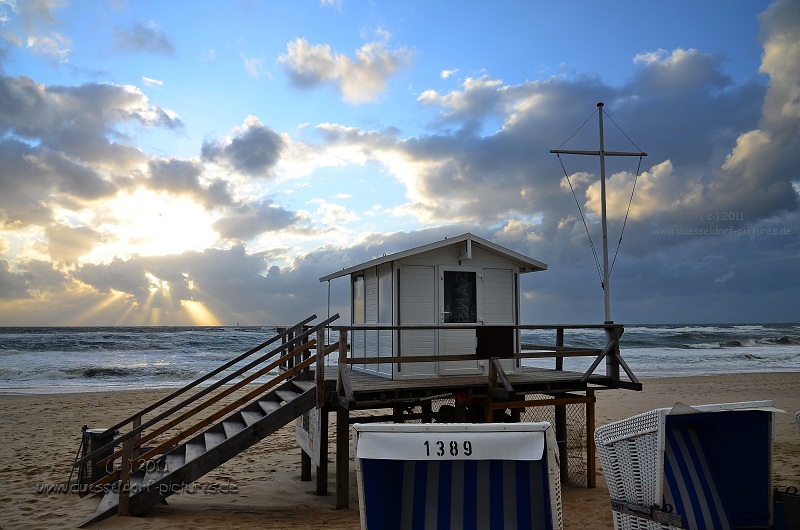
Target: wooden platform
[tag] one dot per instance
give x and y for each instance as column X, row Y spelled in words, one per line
column 372, row 391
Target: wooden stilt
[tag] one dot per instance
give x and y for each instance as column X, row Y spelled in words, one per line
column 561, row 438
column 322, row 469
column 305, row 466
column 342, row 458
column 591, row 465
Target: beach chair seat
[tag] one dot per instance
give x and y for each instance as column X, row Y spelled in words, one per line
column 703, row 467
column 454, row 476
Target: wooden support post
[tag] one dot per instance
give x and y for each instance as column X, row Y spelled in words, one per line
column 591, row 470
column 123, row 507
column 322, row 469
column 305, row 466
column 342, row 458
column 561, row 438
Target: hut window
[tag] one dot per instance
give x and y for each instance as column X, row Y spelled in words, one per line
column 359, row 316
column 460, row 297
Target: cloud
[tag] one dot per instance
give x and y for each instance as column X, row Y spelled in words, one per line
column 56, row 47
column 251, row 219
column 255, row 68
column 481, row 165
column 152, row 82
column 182, row 177
column 66, row 244
column 254, row 150
column 143, row 38
column 79, row 121
column 37, row 21
column 359, row 80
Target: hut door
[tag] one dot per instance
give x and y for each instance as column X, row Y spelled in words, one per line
column 459, row 303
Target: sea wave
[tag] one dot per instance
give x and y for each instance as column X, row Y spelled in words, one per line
column 98, row 372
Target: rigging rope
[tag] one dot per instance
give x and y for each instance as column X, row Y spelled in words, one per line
column 630, row 201
column 578, row 130
column 625, row 222
column 585, row 226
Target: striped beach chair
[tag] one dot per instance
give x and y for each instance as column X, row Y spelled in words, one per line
column 703, row 467
column 458, row 476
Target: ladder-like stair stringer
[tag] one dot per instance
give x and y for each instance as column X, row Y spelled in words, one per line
column 185, row 463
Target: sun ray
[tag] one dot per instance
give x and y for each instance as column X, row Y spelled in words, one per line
column 199, row 314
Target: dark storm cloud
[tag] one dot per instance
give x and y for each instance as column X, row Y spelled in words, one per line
column 12, row 285
column 254, row 151
column 143, row 37
column 252, row 219
column 31, row 278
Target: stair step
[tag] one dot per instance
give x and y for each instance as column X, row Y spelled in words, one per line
column 286, row 395
column 269, row 405
column 155, row 472
column 251, row 416
column 110, row 499
column 304, row 384
column 193, row 450
column 136, row 482
column 174, row 461
column 233, row 427
column 214, row 438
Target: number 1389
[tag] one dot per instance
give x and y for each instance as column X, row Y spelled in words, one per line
column 450, row 448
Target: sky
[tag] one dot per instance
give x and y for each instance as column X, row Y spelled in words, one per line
column 205, row 163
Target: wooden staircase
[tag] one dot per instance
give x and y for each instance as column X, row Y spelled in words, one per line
column 156, row 473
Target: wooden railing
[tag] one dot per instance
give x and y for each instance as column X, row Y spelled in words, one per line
column 496, row 373
column 131, row 451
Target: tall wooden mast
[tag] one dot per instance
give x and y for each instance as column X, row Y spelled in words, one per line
column 602, row 153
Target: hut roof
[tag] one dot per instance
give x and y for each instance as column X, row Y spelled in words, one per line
column 524, row 263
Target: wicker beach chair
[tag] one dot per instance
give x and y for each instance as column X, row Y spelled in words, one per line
column 703, row 467
column 460, row 475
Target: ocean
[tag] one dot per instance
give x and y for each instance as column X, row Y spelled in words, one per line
column 54, row 360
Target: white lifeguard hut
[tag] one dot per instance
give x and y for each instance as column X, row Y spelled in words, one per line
column 462, row 294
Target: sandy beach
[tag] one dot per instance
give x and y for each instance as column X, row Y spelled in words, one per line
column 40, row 435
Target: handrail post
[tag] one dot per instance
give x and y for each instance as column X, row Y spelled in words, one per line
column 319, row 368
column 342, row 358
column 137, row 422
column 123, row 506
column 559, row 344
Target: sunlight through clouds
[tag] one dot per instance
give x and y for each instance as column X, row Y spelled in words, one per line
column 148, row 224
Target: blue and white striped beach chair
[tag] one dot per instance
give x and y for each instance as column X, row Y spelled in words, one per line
column 703, row 467
column 458, row 476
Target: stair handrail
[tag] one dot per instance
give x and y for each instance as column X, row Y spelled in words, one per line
column 299, row 367
column 139, row 428
column 216, row 398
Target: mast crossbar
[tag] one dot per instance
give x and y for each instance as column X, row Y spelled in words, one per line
column 596, row 153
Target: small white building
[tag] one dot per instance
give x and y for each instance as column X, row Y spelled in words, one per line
column 456, row 281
